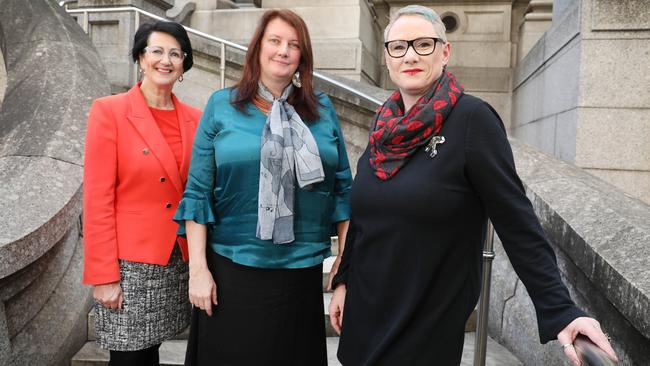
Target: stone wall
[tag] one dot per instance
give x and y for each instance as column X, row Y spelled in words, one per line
column 600, row 237
column 581, row 94
column 53, row 74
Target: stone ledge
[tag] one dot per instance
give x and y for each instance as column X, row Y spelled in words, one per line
column 601, row 229
column 600, row 237
column 21, row 308
column 41, row 199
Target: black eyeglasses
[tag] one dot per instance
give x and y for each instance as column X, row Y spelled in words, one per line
column 422, row 46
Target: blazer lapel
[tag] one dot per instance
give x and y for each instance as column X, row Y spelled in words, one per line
column 143, row 121
column 187, row 128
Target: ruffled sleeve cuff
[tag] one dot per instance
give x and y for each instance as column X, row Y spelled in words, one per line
column 199, row 210
column 341, row 210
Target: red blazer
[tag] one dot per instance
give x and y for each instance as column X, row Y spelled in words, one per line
column 132, row 185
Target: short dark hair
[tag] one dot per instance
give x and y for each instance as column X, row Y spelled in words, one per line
column 173, row 29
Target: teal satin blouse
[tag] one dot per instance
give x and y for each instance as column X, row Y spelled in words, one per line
column 223, row 185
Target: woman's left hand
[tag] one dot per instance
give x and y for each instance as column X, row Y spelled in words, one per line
column 336, row 306
column 333, row 271
column 590, row 328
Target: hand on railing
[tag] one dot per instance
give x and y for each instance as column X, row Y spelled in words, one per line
column 581, row 330
column 590, row 354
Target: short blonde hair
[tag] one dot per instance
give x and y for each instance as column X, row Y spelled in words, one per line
column 425, row 13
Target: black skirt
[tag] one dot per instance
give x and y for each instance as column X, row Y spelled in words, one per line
column 263, row 317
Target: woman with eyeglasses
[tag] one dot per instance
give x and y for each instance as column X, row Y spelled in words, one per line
column 437, row 165
column 138, row 148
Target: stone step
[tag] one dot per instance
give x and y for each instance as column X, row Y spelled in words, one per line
column 327, row 267
column 173, row 353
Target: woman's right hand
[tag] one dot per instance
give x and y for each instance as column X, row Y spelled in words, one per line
column 109, row 295
column 336, row 307
column 203, row 289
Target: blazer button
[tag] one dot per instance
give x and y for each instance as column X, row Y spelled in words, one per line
column 168, row 205
column 162, row 179
column 145, row 151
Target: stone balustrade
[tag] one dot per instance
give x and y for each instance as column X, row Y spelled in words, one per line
column 52, row 75
column 600, row 236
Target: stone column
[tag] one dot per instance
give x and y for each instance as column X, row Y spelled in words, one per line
column 581, row 94
column 539, row 14
column 613, row 129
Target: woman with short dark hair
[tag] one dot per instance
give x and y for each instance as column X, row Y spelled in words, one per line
column 138, row 147
column 268, row 182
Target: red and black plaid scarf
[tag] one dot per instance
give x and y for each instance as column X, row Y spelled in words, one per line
column 395, row 137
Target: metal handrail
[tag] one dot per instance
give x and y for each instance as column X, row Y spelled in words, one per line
column 480, row 347
column 221, row 41
column 590, row 354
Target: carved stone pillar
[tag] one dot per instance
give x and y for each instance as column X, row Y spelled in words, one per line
column 537, row 19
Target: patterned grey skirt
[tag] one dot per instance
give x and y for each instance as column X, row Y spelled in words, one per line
column 155, row 308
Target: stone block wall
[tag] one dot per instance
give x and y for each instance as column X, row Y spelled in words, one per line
column 581, row 94
column 614, row 116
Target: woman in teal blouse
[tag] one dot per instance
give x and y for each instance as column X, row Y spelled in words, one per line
column 265, row 191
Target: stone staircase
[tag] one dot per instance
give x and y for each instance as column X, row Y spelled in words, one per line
column 172, row 352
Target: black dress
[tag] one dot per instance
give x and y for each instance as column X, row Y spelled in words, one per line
column 412, row 261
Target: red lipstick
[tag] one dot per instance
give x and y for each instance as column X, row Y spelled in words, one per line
column 412, row 71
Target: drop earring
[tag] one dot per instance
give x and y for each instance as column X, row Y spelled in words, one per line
column 295, row 80
column 180, row 79
column 140, row 71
